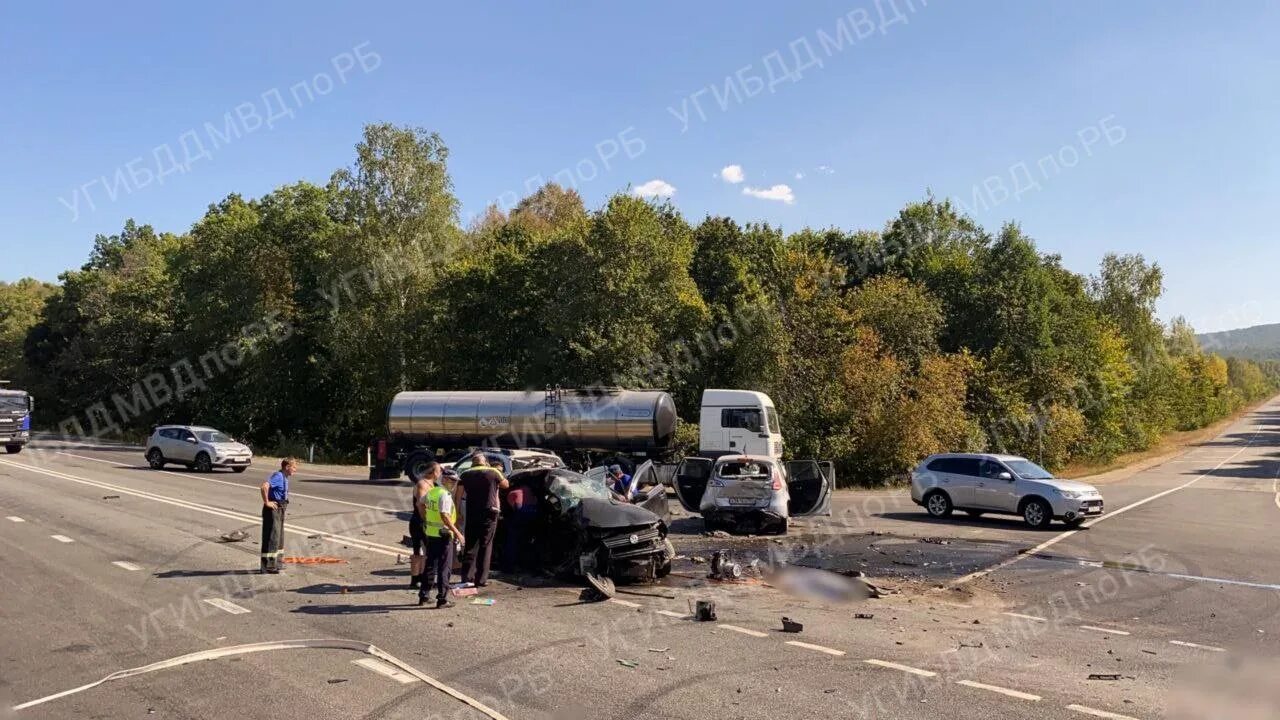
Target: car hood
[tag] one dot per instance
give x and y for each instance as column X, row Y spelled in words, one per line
column 607, row 514
column 231, row 447
column 1069, row 485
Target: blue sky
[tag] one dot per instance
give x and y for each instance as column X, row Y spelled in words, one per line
column 960, row 93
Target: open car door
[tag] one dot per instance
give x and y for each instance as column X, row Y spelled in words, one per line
column 647, row 490
column 809, row 483
column 692, row 476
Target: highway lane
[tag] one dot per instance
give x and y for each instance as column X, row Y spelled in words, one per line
column 538, row 651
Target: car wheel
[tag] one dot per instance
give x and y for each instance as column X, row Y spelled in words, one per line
column 13, row 449
column 1037, row 513
column 155, row 459
column 938, row 504
column 202, row 463
column 974, row 513
column 783, row 527
column 238, row 469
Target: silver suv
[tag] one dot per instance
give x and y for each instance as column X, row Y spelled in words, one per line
column 199, row 448
column 1009, row 484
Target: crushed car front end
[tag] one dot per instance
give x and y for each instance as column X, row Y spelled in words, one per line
column 622, row 541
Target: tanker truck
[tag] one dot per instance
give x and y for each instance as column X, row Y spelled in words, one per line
column 583, row 425
column 16, row 407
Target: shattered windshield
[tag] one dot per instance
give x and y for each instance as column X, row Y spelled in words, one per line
column 747, row 469
column 572, row 488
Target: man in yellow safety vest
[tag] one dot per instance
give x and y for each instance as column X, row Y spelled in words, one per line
column 439, row 521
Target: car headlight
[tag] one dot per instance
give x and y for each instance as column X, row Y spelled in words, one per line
column 1071, row 494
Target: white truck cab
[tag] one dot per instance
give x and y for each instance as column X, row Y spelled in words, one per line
column 739, row 422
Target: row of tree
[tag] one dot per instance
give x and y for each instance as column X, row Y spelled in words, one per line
column 293, row 318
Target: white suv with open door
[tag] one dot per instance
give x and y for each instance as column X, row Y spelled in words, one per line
column 1006, row 484
column 748, row 493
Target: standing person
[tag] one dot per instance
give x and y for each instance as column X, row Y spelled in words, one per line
column 479, row 489
column 440, row 528
column 275, row 498
column 417, row 528
column 523, row 510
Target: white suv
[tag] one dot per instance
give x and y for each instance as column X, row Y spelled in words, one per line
column 199, row 448
column 1009, row 484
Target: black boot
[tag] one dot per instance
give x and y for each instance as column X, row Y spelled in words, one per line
column 415, row 581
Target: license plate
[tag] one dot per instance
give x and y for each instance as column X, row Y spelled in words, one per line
column 743, row 501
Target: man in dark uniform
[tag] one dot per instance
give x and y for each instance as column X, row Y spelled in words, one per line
column 478, row 488
column 275, row 498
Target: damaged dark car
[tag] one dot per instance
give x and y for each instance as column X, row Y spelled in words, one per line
column 582, row 529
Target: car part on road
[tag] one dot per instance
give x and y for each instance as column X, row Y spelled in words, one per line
column 705, row 611
column 603, row 585
column 791, row 626
column 233, row 536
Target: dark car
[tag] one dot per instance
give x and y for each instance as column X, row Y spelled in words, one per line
column 582, row 529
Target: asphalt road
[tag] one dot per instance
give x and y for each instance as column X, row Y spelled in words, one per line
column 1172, row 597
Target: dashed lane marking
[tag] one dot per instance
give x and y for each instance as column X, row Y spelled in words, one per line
column 900, row 667
column 744, row 631
column 125, row 565
column 14, row 518
column 1099, row 713
column 676, row 615
column 1109, row 631
column 62, row 538
column 227, row 605
column 1026, row 617
column 382, row 668
column 997, row 689
column 818, row 648
column 624, row 603
column 1198, row 646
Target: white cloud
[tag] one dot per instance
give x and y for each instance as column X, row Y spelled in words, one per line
column 732, row 174
column 781, row 193
column 799, row 176
column 654, row 188
column 826, row 169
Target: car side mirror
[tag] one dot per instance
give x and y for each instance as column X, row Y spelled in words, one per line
column 1005, row 476
column 191, row 440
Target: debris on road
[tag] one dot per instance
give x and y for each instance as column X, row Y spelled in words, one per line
column 335, row 681
column 935, row 541
column 110, row 497
column 705, row 611
column 313, row 560
column 1110, row 676
column 659, row 650
column 628, row 663
column 487, row 602
column 791, row 626
column 233, row 536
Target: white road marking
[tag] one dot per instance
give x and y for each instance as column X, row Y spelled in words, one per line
column 382, row 668
column 1224, row 581
column 624, row 603
column 676, row 615
column 1099, row 713
column 744, row 631
column 1063, row 536
column 239, row 485
column 14, row 518
column 1109, row 631
column 358, row 544
column 903, row 668
column 227, row 605
column 819, row 648
column 1026, row 617
column 997, row 689
column 125, row 565
column 62, row 538
column 1197, row 646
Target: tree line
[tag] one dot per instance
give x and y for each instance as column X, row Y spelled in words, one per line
column 292, row 319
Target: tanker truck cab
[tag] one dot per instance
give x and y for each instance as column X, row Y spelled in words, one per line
column 739, row 422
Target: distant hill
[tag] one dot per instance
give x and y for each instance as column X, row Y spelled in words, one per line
column 1260, row 342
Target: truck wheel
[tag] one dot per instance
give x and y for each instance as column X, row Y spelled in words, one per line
column 203, row 464
column 13, row 449
column 155, row 459
column 416, row 466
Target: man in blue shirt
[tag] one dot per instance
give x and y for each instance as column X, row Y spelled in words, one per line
column 620, row 482
column 275, row 498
